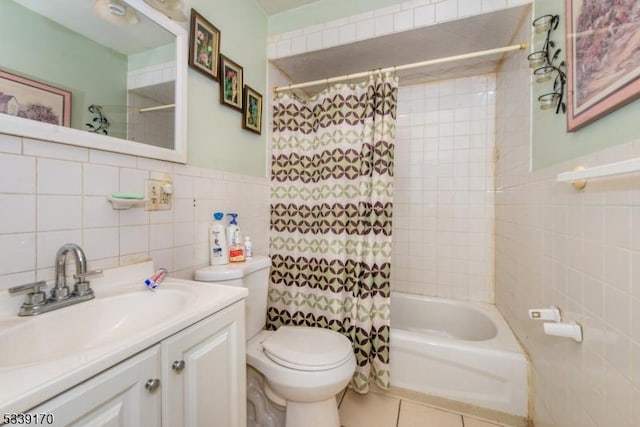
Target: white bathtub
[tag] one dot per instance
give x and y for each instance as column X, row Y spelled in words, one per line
column 459, row 351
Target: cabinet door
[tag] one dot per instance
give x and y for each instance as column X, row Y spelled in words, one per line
column 114, row 398
column 207, row 386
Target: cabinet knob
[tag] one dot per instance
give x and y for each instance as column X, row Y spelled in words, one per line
column 178, row 366
column 152, row 384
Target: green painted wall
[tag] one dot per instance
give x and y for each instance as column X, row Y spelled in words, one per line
column 216, row 137
column 148, row 58
column 63, row 59
column 322, row 11
column 551, row 143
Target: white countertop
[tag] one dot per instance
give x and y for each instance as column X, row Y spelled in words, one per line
column 25, row 385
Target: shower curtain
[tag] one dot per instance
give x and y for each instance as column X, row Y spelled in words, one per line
column 331, row 204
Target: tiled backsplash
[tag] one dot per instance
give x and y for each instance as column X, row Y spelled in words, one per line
column 443, row 218
column 51, row 194
column 578, row 250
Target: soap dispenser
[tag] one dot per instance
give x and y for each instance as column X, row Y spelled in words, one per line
column 232, row 229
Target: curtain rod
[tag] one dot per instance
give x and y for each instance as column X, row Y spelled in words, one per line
column 159, row 107
column 520, row 46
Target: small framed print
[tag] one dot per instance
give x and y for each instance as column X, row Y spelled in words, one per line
column 252, row 111
column 33, row 100
column 204, row 46
column 231, row 83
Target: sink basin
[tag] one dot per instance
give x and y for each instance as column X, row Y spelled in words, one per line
column 88, row 325
column 45, row 355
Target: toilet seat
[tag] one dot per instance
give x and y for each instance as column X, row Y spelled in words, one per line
column 307, row 349
column 295, row 384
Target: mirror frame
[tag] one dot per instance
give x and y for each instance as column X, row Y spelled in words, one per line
column 43, row 131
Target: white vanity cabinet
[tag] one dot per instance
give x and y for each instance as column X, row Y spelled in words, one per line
column 204, row 373
column 195, row 377
column 116, row 397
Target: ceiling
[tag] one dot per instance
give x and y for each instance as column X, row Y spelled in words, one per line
column 272, row 7
column 79, row 16
column 482, row 32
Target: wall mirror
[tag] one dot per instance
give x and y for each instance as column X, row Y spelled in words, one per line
column 104, row 74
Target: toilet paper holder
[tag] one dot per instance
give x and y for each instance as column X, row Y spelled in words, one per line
column 565, row 330
column 554, row 325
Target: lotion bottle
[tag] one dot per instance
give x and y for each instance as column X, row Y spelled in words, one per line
column 218, row 250
column 248, row 247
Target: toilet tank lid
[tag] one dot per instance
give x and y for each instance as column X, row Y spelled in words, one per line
column 231, row 271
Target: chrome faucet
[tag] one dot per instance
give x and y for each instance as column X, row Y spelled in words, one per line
column 61, row 290
column 61, row 296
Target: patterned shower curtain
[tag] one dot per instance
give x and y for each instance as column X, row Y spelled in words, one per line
column 331, row 203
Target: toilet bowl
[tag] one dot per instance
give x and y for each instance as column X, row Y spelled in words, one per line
column 303, row 367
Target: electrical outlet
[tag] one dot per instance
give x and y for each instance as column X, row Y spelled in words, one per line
column 157, row 194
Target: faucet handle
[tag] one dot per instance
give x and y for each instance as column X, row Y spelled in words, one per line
column 31, row 288
column 87, row 274
column 35, row 295
column 82, row 286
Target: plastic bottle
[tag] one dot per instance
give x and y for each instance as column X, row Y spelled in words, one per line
column 218, row 250
column 236, row 251
column 248, row 247
column 232, row 229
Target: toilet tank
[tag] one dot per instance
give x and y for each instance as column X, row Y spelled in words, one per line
column 253, row 274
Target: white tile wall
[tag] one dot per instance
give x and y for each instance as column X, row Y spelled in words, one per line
column 153, row 75
column 576, row 250
column 443, row 202
column 51, row 194
column 405, row 16
column 155, row 128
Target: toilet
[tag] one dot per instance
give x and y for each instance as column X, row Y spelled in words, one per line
column 303, row 367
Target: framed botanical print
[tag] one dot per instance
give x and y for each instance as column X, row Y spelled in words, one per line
column 231, row 83
column 204, row 46
column 252, row 110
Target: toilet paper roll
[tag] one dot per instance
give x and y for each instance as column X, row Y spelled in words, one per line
column 566, row 329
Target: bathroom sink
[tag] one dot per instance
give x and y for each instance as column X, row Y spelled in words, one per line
column 46, row 354
column 89, row 325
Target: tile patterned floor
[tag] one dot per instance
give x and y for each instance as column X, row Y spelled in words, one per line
column 380, row 410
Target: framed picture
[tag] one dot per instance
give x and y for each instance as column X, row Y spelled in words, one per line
column 231, row 83
column 252, row 111
column 23, row 97
column 602, row 57
column 204, row 46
